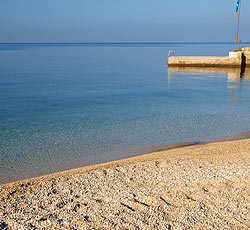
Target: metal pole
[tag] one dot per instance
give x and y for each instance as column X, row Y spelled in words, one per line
column 237, row 28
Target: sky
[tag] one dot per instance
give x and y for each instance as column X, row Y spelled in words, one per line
column 122, row 21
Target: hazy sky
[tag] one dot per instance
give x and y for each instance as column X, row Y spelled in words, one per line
column 116, row 20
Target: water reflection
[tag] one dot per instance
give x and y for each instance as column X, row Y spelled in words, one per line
column 233, row 75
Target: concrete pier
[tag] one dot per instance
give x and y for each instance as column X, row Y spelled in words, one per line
column 237, row 59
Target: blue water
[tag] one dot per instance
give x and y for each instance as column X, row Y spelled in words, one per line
column 69, row 105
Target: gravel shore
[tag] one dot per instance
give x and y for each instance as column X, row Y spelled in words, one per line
column 196, row 187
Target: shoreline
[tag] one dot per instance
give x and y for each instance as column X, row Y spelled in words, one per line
column 177, row 145
column 199, row 186
column 105, row 165
column 113, row 162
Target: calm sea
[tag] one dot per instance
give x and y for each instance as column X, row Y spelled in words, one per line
column 69, row 105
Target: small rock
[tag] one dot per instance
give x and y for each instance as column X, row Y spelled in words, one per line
column 86, row 218
column 3, row 225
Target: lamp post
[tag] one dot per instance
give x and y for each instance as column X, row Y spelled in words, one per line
column 237, row 34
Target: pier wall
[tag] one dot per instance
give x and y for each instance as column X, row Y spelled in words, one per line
column 233, row 60
column 237, row 59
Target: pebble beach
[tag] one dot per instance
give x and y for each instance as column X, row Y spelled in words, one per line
column 196, row 187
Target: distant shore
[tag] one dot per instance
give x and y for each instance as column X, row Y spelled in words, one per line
column 198, row 187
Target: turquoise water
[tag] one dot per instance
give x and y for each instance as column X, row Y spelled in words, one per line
column 69, row 105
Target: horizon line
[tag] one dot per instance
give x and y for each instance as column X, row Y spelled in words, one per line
column 127, row 42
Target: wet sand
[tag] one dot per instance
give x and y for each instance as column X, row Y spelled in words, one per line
column 194, row 187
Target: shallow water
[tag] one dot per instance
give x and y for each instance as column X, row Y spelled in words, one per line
column 70, row 105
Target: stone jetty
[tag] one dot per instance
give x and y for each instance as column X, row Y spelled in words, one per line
column 236, row 59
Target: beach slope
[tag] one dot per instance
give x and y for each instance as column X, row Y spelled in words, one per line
column 195, row 187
